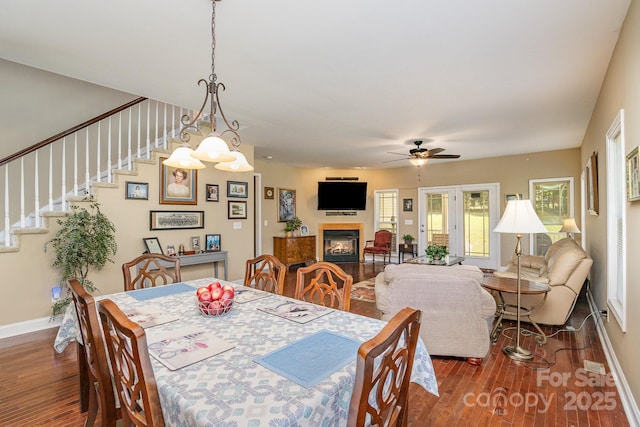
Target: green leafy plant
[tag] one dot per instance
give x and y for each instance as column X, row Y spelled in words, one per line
column 85, row 241
column 408, row 238
column 293, row 224
column 436, row 251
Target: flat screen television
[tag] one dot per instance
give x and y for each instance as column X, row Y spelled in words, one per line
column 342, row 196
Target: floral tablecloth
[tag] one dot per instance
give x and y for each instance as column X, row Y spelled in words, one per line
column 231, row 389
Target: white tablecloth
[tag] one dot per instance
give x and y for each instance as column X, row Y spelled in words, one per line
column 230, row 389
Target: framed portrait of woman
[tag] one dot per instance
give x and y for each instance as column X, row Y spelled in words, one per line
column 177, row 186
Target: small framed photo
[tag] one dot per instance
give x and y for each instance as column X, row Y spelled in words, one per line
column 170, row 220
column 212, row 193
column 513, row 197
column 153, row 245
column 407, row 205
column 237, row 189
column 171, row 250
column 137, row 190
column 177, row 185
column 304, row 230
column 195, row 243
column 269, row 193
column 213, row 242
column 633, row 189
column 237, row 209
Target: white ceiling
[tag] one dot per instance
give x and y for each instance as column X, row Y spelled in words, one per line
column 341, row 83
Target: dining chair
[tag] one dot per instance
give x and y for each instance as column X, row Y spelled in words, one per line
column 266, row 273
column 380, row 245
column 93, row 359
column 384, row 363
column 324, row 283
column 131, row 366
column 150, row 271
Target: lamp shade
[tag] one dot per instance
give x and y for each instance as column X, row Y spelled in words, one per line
column 520, row 218
column 418, row 162
column 240, row 164
column 213, row 149
column 181, row 158
column 569, row 226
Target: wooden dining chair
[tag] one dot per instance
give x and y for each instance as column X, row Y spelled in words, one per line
column 150, row 271
column 131, row 366
column 93, row 365
column 326, row 284
column 384, row 363
column 266, row 273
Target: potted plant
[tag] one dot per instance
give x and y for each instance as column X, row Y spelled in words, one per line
column 408, row 238
column 436, row 251
column 293, row 225
column 85, row 240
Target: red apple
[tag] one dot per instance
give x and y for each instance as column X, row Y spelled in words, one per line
column 214, row 285
column 229, row 288
column 215, row 308
column 202, row 289
column 227, row 295
column 216, row 294
column 205, row 296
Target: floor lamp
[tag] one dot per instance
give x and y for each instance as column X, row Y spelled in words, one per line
column 519, row 218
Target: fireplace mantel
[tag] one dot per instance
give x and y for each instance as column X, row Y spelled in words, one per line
column 341, row 226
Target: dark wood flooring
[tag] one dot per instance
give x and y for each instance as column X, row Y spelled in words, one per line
column 38, row 387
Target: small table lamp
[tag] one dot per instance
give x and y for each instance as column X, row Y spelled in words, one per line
column 569, row 226
column 519, row 218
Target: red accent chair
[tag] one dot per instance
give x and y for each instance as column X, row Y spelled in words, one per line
column 380, row 245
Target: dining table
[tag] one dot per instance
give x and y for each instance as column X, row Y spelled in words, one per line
column 272, row 369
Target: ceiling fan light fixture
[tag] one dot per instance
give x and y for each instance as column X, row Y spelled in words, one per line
column 416, row 161
column 213, row 149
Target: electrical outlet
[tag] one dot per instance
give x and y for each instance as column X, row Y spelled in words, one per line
column 604, row 313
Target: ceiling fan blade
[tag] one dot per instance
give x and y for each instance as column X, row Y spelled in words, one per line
column 395, row 160
column 445, row 156
column 435, row 151
column 399, row 154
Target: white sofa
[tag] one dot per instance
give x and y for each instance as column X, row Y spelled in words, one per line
column 456, row 311
column 564, row 268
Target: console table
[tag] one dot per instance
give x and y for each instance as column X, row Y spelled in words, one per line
column 205, row 258
column 295, row 250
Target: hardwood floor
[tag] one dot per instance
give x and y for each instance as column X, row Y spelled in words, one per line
column 39, row 387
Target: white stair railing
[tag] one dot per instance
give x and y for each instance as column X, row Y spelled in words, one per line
column 108, row 146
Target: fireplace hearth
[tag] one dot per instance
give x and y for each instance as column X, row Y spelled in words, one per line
column 341, row 245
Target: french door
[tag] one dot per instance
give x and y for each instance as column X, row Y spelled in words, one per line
column 461, row 217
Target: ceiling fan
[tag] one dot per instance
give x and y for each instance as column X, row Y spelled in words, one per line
column 418, row 156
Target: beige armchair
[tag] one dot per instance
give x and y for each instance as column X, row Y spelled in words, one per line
column 564, row 268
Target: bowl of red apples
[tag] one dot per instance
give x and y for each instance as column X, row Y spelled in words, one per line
column 215, row 299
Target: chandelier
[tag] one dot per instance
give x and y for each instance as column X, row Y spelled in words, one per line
column 212, row 148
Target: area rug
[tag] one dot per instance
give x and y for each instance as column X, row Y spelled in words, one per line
column 364, row 291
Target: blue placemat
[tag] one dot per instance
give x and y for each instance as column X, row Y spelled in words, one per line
column 312, row 359
column 160, row 291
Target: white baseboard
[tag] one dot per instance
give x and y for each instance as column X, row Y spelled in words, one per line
column 626, row 396
column 27, row 326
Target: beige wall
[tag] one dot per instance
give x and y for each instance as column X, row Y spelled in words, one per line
column 511, row 172
column 28, row 279
column 620, row 90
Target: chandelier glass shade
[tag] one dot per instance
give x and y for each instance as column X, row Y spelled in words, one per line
column 212, row 148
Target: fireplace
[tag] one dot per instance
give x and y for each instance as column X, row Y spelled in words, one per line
column 341, row 245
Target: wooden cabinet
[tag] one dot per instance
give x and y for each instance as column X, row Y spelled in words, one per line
column 295, row 250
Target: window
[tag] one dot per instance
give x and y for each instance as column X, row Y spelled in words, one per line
column 552, row 200
column 386, row 213
column 616, row 223
column 476, row 223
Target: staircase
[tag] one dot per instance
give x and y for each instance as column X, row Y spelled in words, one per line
column 41, row 181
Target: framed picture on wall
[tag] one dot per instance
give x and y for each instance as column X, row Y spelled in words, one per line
column 237, row 209
column 137, row 190
column 177, row 185
column 212, row 193
column 286, row 204
column 237, row 189
column 633, row 189
column 591, row 178
column 407, row 205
